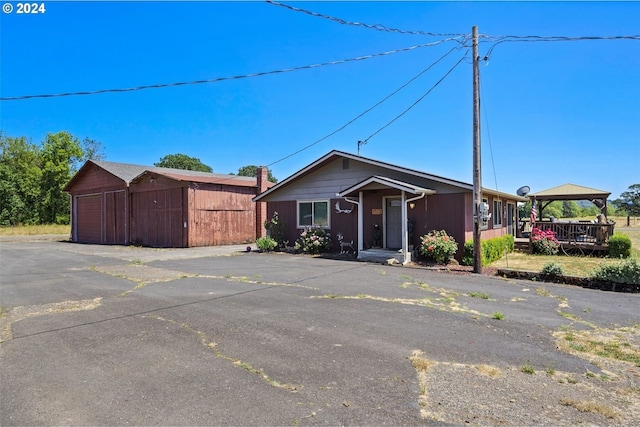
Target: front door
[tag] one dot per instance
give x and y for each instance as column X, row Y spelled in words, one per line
column 393, row 223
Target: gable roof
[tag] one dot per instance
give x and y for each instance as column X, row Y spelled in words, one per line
column 331, row 156
column 128, row 173
column 209, row 178
column 377, row 182
column 570, row 192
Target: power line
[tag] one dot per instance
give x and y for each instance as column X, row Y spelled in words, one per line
column 377, row 27
column 535, row 39
column 220, row 79
column 365, row 111
column 416, row 102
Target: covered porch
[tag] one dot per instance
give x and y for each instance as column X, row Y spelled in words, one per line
column 389, row 201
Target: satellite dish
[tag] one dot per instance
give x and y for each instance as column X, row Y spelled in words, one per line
column 523, row 191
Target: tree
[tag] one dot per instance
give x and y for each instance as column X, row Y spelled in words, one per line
column 630, row 200
column 20, row 176
column 570, row 209
column 182, row 161
column 60, row 154
column 32, row 176
column 93, row 150
column 252, row 171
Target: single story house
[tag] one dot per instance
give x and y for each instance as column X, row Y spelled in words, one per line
column 383, row 207
column 119, row 203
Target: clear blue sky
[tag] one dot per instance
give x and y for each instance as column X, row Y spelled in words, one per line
column 553, row 112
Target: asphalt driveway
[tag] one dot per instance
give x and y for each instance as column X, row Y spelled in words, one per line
column 101, row 335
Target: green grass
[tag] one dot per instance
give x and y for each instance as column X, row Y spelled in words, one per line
column 31, row 230
column 497, row 315
column 527, row 369
column 481, row 295
column 572, row 266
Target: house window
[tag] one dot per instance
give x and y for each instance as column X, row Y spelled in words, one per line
column 313, row 214
column 484, row 221
column 497, row 213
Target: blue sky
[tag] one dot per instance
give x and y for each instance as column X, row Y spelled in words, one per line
column 552, row 112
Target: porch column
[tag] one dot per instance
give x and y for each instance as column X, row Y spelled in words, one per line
column 360, row 222
column 405, row 232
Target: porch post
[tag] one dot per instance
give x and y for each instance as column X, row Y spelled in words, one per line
column 405, row 234
column 360, row 222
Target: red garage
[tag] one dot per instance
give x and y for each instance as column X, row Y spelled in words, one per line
column 118, row 203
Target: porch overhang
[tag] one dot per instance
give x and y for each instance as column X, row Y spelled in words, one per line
column 405, row 189
column 381, row 183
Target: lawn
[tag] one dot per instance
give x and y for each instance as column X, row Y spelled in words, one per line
column 573, row 266
column 31, row 230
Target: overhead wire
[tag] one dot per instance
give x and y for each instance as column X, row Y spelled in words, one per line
column 416, row 102
column 377, row 27
column 367, row 110
column 497, row 40
column 220, row 79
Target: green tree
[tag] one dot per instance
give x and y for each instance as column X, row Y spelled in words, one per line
column 252, row 170
column 60, row 154
column 570, row 209
column 20, row 176
column 629, row 200
column 553, row 209
column 182, row 161
column 32, row 176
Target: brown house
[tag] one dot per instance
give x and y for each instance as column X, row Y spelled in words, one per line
column 118, row 203
column 383, row 207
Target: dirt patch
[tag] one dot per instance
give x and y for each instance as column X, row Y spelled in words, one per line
column 486, row 395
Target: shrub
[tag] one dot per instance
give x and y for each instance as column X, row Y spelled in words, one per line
column 467, row 253
column 275, row 229
column 492, row 249
column 619, row 246
column 438, row 245
column 266, row 244
column 544, row 242
column 552, row 269
column 626, row 272
column 313, row 240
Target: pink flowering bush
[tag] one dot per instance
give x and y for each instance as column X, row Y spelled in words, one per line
column 544, row 242
column 313, row 240
column 438, row 245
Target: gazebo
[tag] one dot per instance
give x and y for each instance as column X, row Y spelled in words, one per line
column 575, row 236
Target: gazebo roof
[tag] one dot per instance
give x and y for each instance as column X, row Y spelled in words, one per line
column 570, row 192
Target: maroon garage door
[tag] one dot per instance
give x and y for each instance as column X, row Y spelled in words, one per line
column 89, row 218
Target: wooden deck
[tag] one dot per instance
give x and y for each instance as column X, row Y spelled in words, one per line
column 579, row 237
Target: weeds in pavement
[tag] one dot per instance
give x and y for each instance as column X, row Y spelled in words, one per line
column 481, row 295
column 593, row 407
column 498, row 316
column 527, row 369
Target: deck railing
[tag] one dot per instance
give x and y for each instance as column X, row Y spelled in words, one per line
column 578, row 231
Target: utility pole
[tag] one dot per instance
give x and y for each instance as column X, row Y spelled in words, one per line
column 477, row 163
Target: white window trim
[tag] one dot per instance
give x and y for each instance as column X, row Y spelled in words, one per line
column 497, row 213
column 328, row 202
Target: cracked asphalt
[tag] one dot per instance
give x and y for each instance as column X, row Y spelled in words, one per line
column 115, row 335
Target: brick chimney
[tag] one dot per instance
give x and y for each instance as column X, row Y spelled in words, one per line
column 261, row 207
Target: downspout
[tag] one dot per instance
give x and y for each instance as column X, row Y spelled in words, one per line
column 405, row 232
column 360, row 219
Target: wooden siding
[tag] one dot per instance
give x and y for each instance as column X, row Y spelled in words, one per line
column 221, row 215
column 287, row 216
column 325, row 182
column 95, row 179
column 157, row 218
column 96, row 197
column 114, row 218
column 88, row 224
